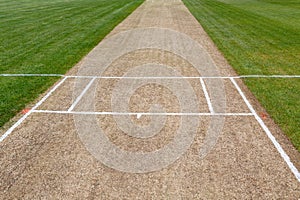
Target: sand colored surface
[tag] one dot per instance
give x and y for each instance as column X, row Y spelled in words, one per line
column 47, row 156
column 53, row 163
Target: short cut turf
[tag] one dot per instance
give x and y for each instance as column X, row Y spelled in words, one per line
column 49, row 37
column 260, row 37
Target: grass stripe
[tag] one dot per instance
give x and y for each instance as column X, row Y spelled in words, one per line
column 49, row 37
column 260, row 37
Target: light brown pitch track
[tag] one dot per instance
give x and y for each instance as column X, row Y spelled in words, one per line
column 48, row 157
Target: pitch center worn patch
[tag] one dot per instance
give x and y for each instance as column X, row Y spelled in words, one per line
column 152, row 76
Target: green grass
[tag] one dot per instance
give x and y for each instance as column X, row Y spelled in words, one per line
column 260, row 37
column 39, row 36
column 285, row 105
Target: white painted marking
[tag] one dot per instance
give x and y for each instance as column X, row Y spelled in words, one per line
column 158, row 77
column 152, row 77
column 81, row 95
column 270, row 76
column 189, row 77
column 285, row 157
column 211, row 109
column 10, row 130
column 140, row 114
column 21, row 75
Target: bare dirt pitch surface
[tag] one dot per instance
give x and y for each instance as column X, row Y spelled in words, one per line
column 150, row 113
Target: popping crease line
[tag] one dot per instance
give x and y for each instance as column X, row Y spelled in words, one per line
column 140, row 113
column 158, row 77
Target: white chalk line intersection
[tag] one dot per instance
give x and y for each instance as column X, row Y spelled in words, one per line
column 282, row 153
column 81, row 95
column 232, row 78
column 10, row 130
column 211, row 109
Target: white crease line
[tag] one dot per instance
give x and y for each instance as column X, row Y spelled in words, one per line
column 285, row 157
column 188, row 77
column 151, row 77
column 140, row 114
column 270, row 76
column 211, row 109
column 21, row 75
column 10, row 130
column 81, row 95
column 158, row 77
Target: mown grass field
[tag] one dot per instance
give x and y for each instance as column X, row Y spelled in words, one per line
column 49, row 37
column 260, row 37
